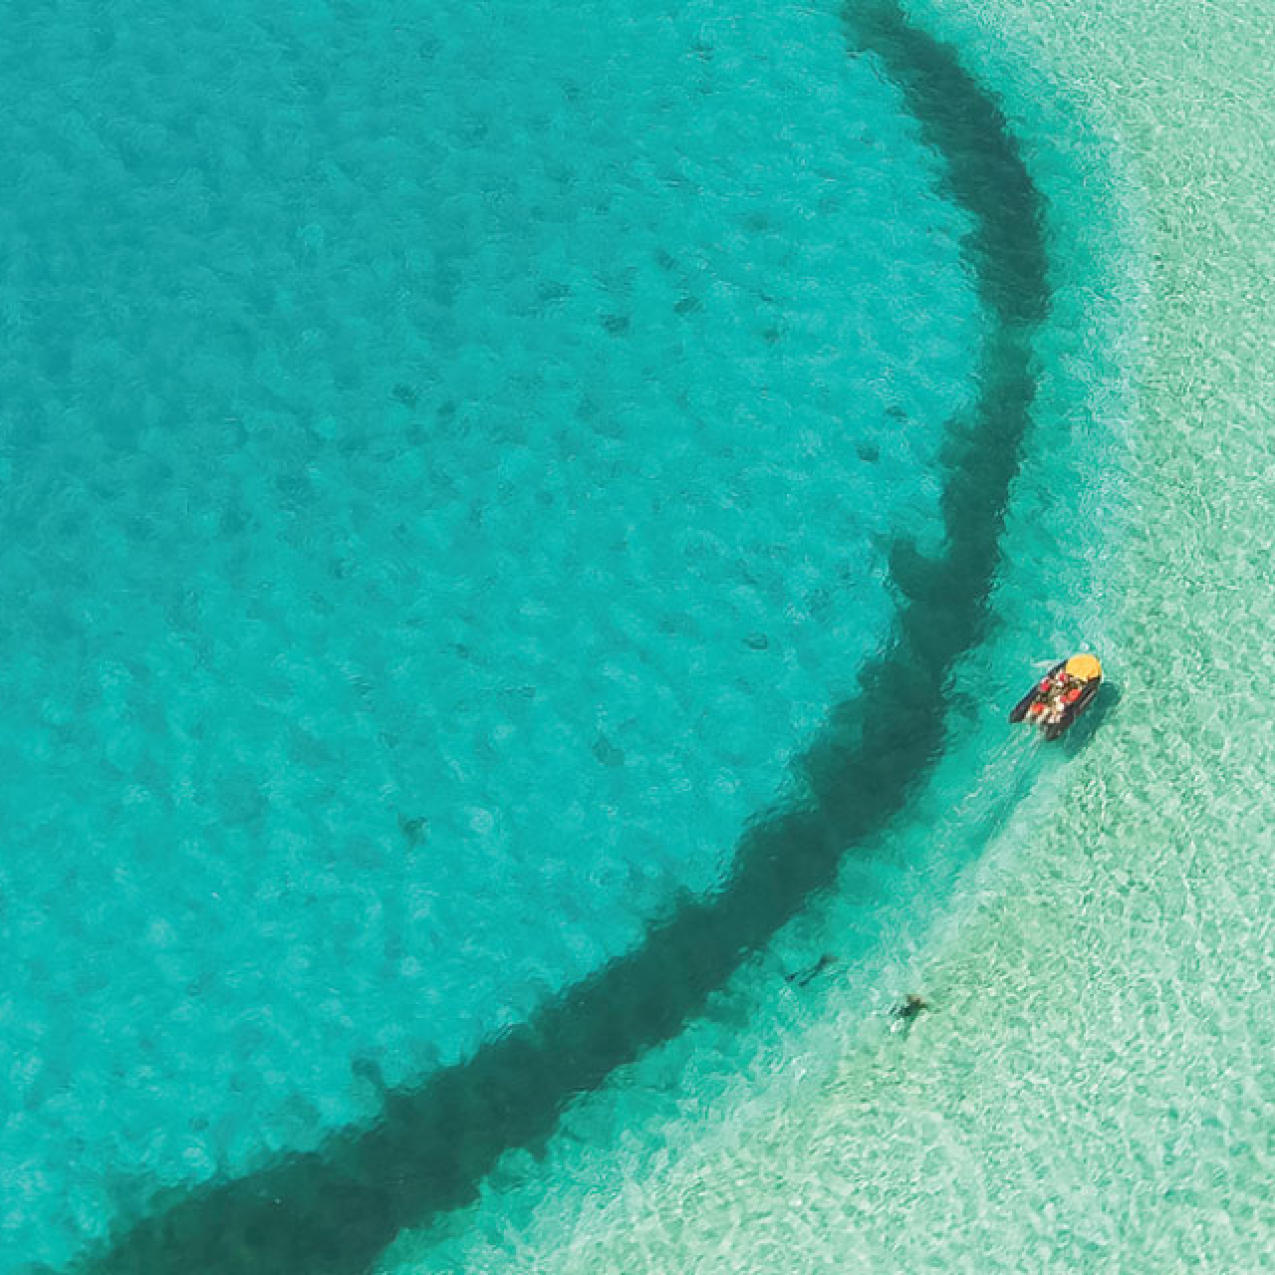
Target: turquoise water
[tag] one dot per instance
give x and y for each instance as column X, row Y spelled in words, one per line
column 709, row 1153
column 737, row 1145
column 453, row 462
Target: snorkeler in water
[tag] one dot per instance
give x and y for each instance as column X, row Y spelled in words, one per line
column 907, row 1011
column 804, row 977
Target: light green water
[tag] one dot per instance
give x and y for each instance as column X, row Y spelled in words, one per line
column 1095, row 1089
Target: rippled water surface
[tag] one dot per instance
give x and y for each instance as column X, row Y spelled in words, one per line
column 454, row 459
column 785, row 1131
column 1092, row 1089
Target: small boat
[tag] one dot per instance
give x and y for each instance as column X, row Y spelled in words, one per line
column 1060, row 696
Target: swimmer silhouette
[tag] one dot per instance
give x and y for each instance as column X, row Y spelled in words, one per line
column 805, row 977
column 907, row 1011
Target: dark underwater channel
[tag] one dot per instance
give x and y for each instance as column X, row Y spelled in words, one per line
column 334, row 1210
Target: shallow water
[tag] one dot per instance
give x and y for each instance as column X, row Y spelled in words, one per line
column 1092, row 1091
column 453, row 465
column 660, row 1169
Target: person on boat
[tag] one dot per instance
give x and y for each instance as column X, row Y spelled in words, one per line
column 1065, row 694
column 1060, row 689
column 1060, row 694
column 1048, row 694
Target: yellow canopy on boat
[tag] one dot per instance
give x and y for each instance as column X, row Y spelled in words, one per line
column 1085, row 667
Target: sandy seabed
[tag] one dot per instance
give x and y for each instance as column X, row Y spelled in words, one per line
column 1095, row 1090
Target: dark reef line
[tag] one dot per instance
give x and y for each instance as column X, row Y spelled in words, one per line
column 334, row 1210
